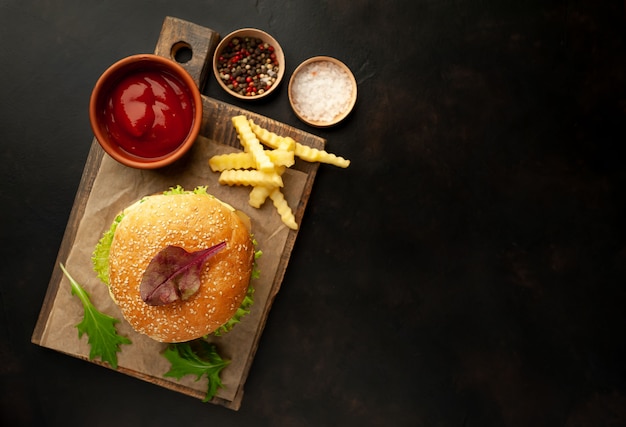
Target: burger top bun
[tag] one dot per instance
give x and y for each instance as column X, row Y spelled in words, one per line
column 193, row 222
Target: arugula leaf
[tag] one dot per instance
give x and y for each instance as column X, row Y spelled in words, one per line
column 203, row 360
column 103, row 338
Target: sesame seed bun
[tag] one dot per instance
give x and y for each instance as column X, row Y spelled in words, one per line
column 193, row 222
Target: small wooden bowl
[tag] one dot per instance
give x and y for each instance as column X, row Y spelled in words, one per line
column 318, row 74
column 102, row 92
column 254, row 33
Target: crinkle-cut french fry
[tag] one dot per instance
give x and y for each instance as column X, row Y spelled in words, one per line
column 250, row 177
column 282, row 157
column 258, row 195
column 283, row 209
column 304, row 152
column 262, row 169
column 287, row 143
column 239, row 160
column 242, row 160
column 310, row 154
column 271, row 139
column 251, row 144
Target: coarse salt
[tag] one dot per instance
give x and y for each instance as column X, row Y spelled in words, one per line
column 321, row 91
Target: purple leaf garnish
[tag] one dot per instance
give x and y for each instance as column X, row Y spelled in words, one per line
column 174, row 274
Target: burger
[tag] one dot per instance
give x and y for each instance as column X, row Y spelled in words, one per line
column 178, row 265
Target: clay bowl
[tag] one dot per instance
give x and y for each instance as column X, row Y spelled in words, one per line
column 157, row 143
column 227, row 47
column 322, row 91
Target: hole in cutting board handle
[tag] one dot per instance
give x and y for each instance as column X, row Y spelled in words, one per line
column 182, row 52
column 178, row 36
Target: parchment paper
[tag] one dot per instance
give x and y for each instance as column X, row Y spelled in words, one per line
column 116, row 187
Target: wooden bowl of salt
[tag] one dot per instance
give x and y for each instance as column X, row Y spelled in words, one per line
column 322, row 91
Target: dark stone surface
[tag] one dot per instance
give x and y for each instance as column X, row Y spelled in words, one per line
column 468, row 268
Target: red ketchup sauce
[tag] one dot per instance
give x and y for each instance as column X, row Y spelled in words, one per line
column 149, row 113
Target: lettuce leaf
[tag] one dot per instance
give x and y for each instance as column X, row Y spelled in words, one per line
column 100, row 257
column 256, row 272
column 180, row 190
column 243, row 309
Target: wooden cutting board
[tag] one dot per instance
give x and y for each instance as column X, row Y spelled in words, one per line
column 217, row 135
